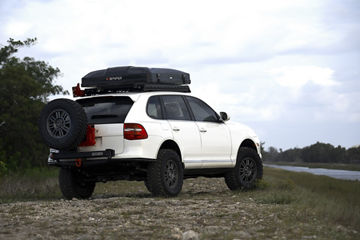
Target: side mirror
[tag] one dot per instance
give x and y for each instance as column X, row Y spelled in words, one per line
column 224, row 116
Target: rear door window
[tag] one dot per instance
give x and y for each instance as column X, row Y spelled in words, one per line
column 102, row 110
column 175, row 108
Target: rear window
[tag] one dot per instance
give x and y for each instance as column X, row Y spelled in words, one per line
column 103, row 110
column 153, row 107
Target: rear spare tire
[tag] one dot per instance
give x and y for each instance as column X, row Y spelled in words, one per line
column 63, row 124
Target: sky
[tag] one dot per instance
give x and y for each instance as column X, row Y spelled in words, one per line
column 288, row 69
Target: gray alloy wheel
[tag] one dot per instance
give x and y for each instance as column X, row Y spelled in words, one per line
column 58, row 123
column 247, row 170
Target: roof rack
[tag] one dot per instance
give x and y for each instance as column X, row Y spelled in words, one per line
column 143, row 87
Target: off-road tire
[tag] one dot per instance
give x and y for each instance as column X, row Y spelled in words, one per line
column 73, row 185
column 165, row 175
column 247, row 171
column 147, row 185
column 63, row 124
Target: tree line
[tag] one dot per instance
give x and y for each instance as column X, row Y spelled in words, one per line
column 318, row 152
column 25, row 85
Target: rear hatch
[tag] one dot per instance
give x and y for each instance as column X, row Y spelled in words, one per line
column 107, row 116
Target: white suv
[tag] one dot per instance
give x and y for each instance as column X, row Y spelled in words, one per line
column 159, row 137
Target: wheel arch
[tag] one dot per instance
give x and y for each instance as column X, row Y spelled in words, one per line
column 248, row 143
column 170, row 144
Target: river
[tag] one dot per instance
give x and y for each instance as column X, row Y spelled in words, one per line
column 339, row 174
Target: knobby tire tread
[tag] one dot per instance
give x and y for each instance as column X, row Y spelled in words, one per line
column 231, row 177
column 155, row 175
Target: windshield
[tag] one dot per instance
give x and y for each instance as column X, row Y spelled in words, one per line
column 101, row 110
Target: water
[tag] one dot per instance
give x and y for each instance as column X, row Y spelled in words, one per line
column 339, row 174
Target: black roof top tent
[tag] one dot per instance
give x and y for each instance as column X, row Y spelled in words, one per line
column 135, row 79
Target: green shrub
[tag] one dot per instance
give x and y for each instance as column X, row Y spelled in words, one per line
column 3, row 168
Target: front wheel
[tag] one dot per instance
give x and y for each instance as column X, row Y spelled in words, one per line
column 165, row 176
column 73, row 185
column 247, row 170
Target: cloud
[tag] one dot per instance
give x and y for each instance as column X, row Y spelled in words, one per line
column 243, row 105
column 282, row 63
column 295, row 77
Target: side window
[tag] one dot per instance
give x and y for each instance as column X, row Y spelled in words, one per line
column 201, row 111
column 153, row 107
column 175, row 108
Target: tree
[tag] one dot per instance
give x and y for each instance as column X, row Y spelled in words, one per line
column 25, row 85
column 318, row 152
column 272, row 154
column 353, row 154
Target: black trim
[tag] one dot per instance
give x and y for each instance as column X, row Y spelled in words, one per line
column 87, row 162
column 108, row 153
column 205, row 172
column 143, row 87
column 192, row 116
column 164, row 117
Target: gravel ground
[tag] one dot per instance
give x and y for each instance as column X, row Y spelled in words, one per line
column 204, row 206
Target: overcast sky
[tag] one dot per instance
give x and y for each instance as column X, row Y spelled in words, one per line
column 288, row 69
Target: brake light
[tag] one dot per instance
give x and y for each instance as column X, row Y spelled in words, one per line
column 90, row 137
column 134, row 131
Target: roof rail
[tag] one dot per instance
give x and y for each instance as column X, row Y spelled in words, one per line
column 139, row 87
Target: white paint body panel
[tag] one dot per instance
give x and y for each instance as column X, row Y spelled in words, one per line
column 215, row 144
column 216, row 147
column 107, row 136
column 186, row 135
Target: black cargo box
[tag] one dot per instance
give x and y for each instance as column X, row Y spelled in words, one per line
column 135, row 77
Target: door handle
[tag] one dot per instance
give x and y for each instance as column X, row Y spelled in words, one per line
column 203, row 130
column 176, row 129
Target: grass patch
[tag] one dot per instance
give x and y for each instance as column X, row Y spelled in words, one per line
column 336, row 200
column 276, row 198
column 31, row 184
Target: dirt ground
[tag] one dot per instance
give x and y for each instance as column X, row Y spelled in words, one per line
column 125, row 210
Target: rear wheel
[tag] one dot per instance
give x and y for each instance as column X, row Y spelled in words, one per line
column 247, row 170
column 73, row 185
column 165, row 176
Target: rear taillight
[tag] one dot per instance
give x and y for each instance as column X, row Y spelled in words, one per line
column 134, row 131
column 90, row 137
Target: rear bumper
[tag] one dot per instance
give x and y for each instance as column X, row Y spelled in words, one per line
column 83, row 159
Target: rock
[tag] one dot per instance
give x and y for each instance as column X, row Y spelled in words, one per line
column 190, row 235
column 243, row 235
